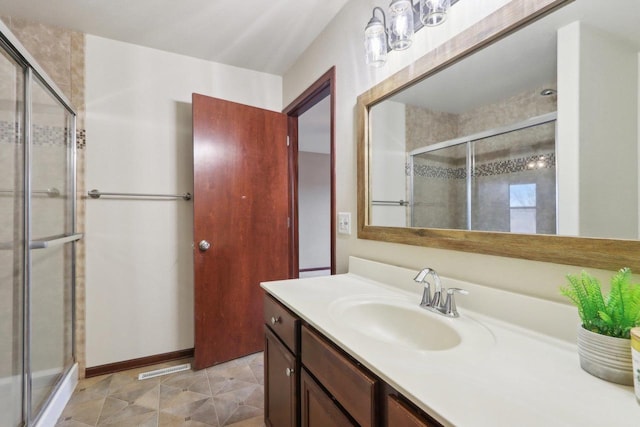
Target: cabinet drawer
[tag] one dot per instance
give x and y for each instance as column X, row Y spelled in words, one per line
column 282, row 322
column 354, row 389
column 399, row 414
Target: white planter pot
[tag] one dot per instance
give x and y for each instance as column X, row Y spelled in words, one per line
column 605, row 357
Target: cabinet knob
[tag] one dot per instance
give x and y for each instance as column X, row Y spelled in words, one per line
column 289, row 371
column 275, row 320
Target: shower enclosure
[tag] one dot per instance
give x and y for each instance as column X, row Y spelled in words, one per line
column 37, row 235
column 503, row 179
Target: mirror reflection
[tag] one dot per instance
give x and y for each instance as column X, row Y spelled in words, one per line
column 535, row 134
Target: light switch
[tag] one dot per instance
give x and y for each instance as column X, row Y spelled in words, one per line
column 344, row 222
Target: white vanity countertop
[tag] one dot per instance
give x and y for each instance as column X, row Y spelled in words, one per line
column 520, row 376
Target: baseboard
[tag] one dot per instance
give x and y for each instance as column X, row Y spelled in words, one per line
column 306, row 270
column 125, row 365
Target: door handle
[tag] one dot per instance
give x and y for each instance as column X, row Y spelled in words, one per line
column 204, row 245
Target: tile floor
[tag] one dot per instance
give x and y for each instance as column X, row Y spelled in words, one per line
column 229, row 394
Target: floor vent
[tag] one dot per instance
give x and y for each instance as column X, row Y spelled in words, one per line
column 164, row 371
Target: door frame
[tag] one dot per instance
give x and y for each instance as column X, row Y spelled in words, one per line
column 324, row 86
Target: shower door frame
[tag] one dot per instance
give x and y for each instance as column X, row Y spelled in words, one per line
column 32, row 72
column 470, row 161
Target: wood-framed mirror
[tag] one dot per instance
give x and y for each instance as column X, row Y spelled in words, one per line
column 565, row 241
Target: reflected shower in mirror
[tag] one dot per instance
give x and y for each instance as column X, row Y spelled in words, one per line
column 535, row 134
column 467, row 183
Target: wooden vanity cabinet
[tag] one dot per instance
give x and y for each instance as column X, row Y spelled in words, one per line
column 281, row 365
column 310, row 382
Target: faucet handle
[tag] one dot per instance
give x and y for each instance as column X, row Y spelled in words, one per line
column 450, row 303
column 426, row 295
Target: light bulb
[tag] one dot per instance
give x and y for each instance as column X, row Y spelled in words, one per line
column 434, row 12
column 400, row 24
column 375, row 42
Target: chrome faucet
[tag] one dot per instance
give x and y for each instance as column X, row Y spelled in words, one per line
column 434, row 303
column 427, row 299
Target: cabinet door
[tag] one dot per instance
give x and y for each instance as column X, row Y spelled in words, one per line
column 318, row 410
column 280, row 383
column 401, row 415
column 352, row 388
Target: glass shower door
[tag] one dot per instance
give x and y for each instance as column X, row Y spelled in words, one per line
column 513, row 183
column 439, row 192
column 51, row 255
column 11, row 238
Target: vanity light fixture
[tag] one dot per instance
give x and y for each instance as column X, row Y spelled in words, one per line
column 405, row 18
column 375, row 39
column 434, row 12
column 400, row 24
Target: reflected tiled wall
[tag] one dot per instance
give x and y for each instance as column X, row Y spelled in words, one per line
column 61, row 54
column 426, row 127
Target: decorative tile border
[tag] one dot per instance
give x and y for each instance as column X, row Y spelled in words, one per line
column 81, row 138
column 430, row 171
column 42, row 135
column 8, row 132
column 49, row 135
column 540, row 161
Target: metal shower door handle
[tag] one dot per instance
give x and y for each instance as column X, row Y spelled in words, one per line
column 204, row 245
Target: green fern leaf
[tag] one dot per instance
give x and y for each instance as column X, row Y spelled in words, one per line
column 614, row 315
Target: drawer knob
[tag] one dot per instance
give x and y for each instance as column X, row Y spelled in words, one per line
column 275, row 320
column 289, row 371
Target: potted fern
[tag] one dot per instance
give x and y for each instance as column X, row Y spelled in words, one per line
column 604, row 344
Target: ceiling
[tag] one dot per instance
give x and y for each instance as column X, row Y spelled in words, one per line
column 260, row 35
column 526, row 60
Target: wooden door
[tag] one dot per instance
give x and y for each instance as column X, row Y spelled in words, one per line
column 240, row 210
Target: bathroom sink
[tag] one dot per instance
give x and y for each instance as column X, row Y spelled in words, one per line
column 398, row 322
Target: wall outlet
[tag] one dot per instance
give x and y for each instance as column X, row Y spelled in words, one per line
column 344, row 222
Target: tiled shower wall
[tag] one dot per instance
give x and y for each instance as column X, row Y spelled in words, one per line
column 61, row 54
column 439, row 177
column 426, row 127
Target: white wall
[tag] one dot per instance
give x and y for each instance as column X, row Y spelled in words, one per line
column 314, row 213
column 608, row 136
column 314, row 189
column 139, row 267
column 567, row 131
column 388, row 160
column 597, row 133
column 341, row 45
